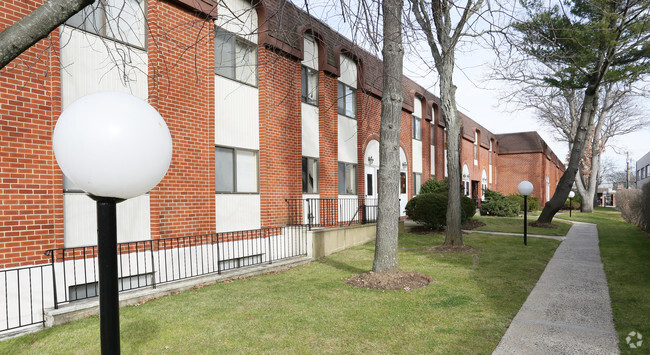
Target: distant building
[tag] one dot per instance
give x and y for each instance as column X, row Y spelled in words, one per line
column 643, row 170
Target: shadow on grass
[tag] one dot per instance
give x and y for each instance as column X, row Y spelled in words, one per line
column 342, row 266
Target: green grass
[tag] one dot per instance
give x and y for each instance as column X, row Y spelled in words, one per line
column 516, row 225
column 625, row 252
column 310, row 309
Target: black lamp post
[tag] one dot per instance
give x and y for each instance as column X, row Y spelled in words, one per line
column 571, row 195
column 525, row 188
column 114, row 146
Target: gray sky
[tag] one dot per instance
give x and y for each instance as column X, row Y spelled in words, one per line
column 478, row 97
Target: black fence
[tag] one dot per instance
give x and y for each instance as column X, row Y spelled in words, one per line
column 24, row 292
column 331, row 212
column 153, row 262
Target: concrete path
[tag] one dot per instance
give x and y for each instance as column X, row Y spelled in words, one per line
column 569, row 310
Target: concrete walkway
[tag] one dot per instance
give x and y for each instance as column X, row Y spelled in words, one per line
column 569, row 310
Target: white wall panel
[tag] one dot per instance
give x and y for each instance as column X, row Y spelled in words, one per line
column 310, row 138
column 348, row 71
column 347, row 139
column 310, row 53
column 90, row 63
column 236, row 114
column 417, row 107
column 237, row 212
column 80, row 220
column 237, row 16
column 417, row 155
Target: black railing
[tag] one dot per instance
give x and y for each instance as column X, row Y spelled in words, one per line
column 24, row 292
column 331, row 212
column 152, row 262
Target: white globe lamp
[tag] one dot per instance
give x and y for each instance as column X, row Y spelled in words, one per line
column 571, row 196
column 114, row 146
column 525, row 188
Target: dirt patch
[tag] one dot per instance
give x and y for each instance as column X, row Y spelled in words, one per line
column 454, row 248
column 542, row 225
column 472, row 224
column 398, row 280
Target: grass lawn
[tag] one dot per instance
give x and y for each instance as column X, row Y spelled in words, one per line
column 625, row 252
column 516, row 225
column 310, row 309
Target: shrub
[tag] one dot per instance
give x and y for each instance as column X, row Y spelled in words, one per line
column 533, row 202
column 430, row 209
column 576, row 203
column 629, row 203
column 644, row 218
column 434, row 185
column 498, row 205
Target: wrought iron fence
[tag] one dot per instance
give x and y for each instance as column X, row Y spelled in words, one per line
column 331, row 212
column 152, row 262
column 24, row 292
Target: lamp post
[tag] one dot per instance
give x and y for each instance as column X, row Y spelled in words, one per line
column 571, row 195
column 114, row 146
column 525, row 188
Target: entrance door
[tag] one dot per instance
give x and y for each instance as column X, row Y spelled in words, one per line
column 475, row 190
column 371, row 193
column 403, row 197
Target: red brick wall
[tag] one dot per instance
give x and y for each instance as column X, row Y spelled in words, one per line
column 369, row 125
column 515, row 168
column 31, row 198
column 280, row 135
column 328, row 135
column 181, row 88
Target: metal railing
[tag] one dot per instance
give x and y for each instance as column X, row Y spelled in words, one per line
column 152, row 262
column 331, row 212
column 23, row 294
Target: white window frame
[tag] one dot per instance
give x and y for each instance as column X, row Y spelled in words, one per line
column 308, row 91
column 235, row 189
column 417, row 128
column 349, row 181
column 343, row 92
column 314, row 162
column 417, row 183
column 219, row 69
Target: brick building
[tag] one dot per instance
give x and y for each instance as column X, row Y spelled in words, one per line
column 265, row 105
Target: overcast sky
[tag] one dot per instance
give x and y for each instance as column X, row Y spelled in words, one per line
column 478, row 97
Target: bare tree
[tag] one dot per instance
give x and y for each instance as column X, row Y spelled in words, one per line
column 578, row 45
column 391, row 109
column 444, row 23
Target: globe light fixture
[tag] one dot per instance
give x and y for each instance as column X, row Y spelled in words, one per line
column 525, row 188
column 114, row 146
column 571, row 195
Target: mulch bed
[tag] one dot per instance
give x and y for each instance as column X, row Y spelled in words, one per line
column 472, row 224
column 398, row 280
column 542, row 225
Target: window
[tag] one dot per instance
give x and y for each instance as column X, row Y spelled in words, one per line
column 120, row 20
column 433, row 134
column 466, row 179
column 417, row 128
column 417, row 183
column 235, row 170
column 475, row 148
column 347, row 100
column 309, row 175
column 347, row 179
column 234, row 57
column 309, row 86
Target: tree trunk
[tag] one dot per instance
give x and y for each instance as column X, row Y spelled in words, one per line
column 587, row 114
column 35, row 26
column 454, row 235
column 391, row 109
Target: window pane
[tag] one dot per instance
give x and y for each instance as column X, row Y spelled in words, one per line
column 125, row 21
column 350, row 102
column 402, row 182
column 313, row 86
column 246, row 171
column 224, row 169
column 303, row 87
column 417, row 128
column 89, row 19
column 313, row 176
column 341, row 178
column 350, row 179
column 417, row 183
column 224, row 53
column 341, row 98
column 246, row 62
column 433, row 135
